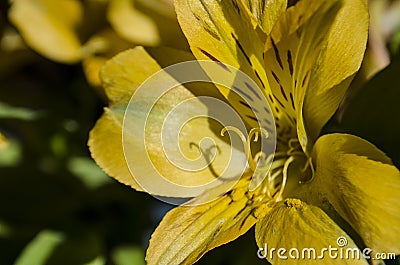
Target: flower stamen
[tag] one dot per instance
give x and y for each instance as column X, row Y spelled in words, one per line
column 271, row 178
column 278, row 172
column 247, row 143
column 294, row 148
column 284, row 177
column 309, row 164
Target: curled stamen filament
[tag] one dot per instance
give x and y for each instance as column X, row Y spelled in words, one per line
column 242, row 138
column 284, row 177
column 294, row 147
column 277, row 174
column 271, row 178
column 247, row 143
column 256, row 131
column 258, row 156
column 309, row 164
column 235, row 130
column 292, row 142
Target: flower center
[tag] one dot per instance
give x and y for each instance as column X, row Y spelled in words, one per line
column 273, row 169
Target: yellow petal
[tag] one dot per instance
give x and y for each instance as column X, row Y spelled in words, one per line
column 290, row 53
column 112, row 45
column 336, row 65
column 187, row 232
column 302, row 234
column 117, row 80
column 225, row 32
column 144, row 22
column 146, row 150
column 49, row 27
column 105, row 144
column 91, row 66
column 105, row 141
column 302, row 53
column 363, row 186
column 132, row 24
column 267, row 12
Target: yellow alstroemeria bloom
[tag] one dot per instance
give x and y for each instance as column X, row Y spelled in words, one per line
column 319, row 188
column 70, row 31
column 66, row 30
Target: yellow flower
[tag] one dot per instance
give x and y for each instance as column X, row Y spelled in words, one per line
column 320, row 191
column 70, row 31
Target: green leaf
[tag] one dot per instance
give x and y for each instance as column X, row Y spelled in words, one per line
column 11, row 112
column 10, row 153
column 82, row 249
column 97, row 261
column 5, row 230
column 40, row 248
column 88, row 172
column 395, row 43
column 127, row 255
